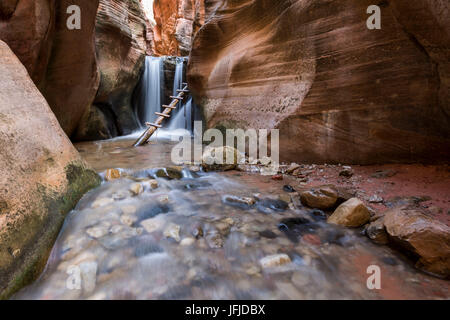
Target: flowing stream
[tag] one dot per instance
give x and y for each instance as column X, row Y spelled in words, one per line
column 209, row 236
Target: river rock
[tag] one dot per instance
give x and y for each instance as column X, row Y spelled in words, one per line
column 128, row 219
column 101, row 202
column 322, row 198
column 377, row 232
column 112, row 174
column 153, row 224
column 173, row 232
column 423, row 236
column 136, row 189
column 245, row 202
column 171, row 173
column 275, row 260
column 88, row 271
column 352, row 213
column 187, row 242
column 220, row 159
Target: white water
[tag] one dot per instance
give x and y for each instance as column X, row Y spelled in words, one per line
column 178, row 79
column 153, row 80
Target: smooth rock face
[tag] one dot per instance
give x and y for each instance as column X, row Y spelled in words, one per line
column 120, row 47
column 337, row 91
column 61, row 62
column 352, row 213
column 423, row 236
column 41, row 174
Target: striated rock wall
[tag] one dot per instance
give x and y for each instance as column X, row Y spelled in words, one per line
column 337, row 91
column 120, row 41
column 86, row 75
column 42, row 176
column 177, row 21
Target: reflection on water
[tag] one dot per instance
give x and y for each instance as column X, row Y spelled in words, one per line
column 208, row 236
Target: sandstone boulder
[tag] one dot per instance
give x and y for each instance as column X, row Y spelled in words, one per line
column 423, row 236
column 321, row 198
column 352, row 213
column 221, row 158
column 41, row 174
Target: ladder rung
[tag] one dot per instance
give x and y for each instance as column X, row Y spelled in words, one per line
column 177, row 98
column 184, row 91
column 162, row 114
column 148, row 124
column 169, row 107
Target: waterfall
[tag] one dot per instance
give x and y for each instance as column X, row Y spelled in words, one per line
column 152, row 84
column 178, row 79
column 183, row 118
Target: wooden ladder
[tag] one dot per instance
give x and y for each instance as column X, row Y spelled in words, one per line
column 152, row 127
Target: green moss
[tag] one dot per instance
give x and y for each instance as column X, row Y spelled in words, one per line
column 55, row 205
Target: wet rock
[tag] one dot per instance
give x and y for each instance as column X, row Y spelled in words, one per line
column 101, row 202
column 376, row 232
column 220, row 159
column 128, row 219
column 88, row 271
column 151, row 211
column 269, row 206
column 293, row 228
column 171, row 173
column 164, row 199
column 98, row 231
column 118, row 196
column 214, row 239
column 275, row 260
column 288, row 188
column 152, row 184
column 426, row 238
column 352, row 213
column 173, row 232
column 285, row 197
column 376, row 199
column 153, row 224
column 112, row 174
column 197, row 232
column 187, row 242
column 241, row 202
column 346, row 172
column 322, row 198
column 318, row 215
column 136, row 189
column 128, row 209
